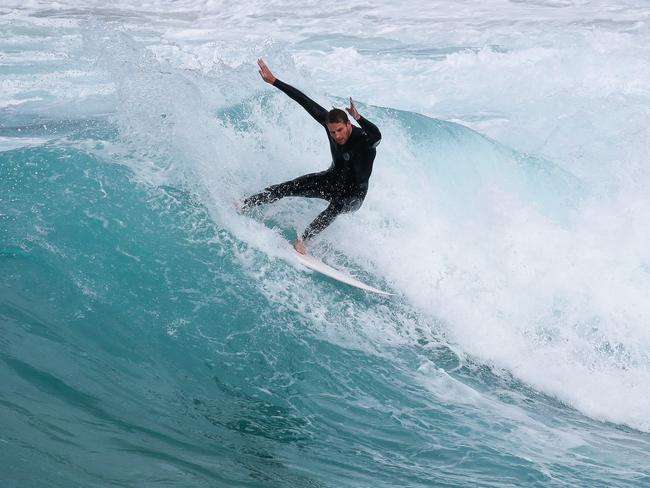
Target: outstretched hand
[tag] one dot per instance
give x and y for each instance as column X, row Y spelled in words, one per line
column 265, row 72
column 352, row 110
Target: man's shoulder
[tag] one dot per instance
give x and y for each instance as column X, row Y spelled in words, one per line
column 358, row 132
column 361, row 136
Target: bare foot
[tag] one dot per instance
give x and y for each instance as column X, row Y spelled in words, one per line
column 299, row 246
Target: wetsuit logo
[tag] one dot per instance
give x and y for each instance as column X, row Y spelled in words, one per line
column 346, row 156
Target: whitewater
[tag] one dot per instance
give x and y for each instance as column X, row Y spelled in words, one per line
column 152, row 336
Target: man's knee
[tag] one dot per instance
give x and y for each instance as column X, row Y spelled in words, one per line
column 351, row 205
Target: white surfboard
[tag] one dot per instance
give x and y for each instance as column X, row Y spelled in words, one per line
column 320, row 267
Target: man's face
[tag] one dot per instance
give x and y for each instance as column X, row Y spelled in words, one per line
column 340, row 131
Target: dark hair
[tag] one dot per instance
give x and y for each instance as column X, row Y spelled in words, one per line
column 337, row 115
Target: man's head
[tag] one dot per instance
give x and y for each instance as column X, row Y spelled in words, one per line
column 338, row 125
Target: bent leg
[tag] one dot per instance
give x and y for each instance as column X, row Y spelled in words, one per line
column 314, row 185
column 327, row 216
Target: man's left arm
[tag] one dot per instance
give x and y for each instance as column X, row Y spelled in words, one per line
column 371, row 129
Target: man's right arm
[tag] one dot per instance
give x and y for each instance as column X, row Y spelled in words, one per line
column 315, row 110
column 312, row 108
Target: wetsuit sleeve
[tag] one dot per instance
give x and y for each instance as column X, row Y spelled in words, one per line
column 315, row 110
column 371, row 129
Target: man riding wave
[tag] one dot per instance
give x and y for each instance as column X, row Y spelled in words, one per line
column 345, row 183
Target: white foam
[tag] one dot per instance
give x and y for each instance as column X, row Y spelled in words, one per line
column 9, row 143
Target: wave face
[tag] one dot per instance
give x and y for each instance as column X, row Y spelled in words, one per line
column 150, row 335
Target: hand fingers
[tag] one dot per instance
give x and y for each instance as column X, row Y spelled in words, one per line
column 264, row 70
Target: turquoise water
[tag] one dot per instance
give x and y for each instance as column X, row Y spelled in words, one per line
column 136, row 351
column 151, row 336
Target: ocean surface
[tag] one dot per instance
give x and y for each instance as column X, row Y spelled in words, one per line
column 151, row 336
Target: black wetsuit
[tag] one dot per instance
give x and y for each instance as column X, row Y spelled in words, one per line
column 344, row 184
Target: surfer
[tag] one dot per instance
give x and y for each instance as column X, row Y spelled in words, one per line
column 345, row 184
